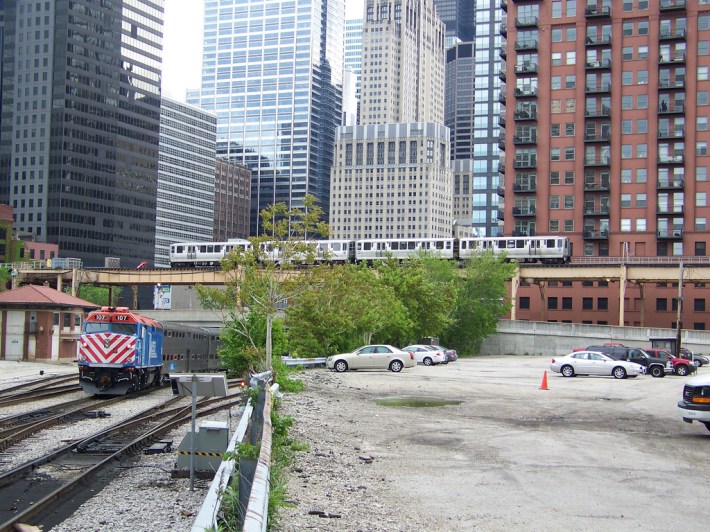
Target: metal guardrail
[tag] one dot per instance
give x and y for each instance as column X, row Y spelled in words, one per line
column 305, row 362
column 207, row 517
column 256, row 515
column 651, row 261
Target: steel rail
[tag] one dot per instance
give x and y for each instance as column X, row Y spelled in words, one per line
column 59, row 495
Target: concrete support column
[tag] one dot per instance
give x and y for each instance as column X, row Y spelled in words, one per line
column 622, row 294
column 514, row 285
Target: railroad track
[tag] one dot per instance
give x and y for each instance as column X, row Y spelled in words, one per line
column 37, row 384
column 34, row 492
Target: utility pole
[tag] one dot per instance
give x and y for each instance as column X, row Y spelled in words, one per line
column 680, row 308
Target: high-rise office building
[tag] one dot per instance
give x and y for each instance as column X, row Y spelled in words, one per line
column 231, row 200
column 186, row 177
column 392, row 176
column 272, row 73
column 472, row 108
column 352, row 63
column 458, row 16
column 80, row 124
column 606, row 136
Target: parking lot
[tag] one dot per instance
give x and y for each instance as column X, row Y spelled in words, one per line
column 589, row 453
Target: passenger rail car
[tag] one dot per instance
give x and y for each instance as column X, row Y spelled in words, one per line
column 120, row 351
column 546, row 249
column 204, row 254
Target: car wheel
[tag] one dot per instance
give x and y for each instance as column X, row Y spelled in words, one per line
column 341, row 366
column 428, row 361
column 657, row 371
column 700, row 363
column 567, row 371
column 396, row 366
column 619, row 372
column 682, row 370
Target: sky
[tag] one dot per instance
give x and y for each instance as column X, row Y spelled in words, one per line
column 182, row 44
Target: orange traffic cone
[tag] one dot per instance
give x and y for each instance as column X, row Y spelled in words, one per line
column 543, row 386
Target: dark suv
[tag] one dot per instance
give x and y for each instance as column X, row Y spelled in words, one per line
column 655, row 366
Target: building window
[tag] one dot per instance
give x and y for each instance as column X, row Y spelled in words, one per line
column 642, row 126
column 554, row 178
column 554, row 202
column 569, row 129
column 642, row 101
column 661, row 304
column 703, row 47
column 642, row 77
column 524, row 302
column 626, row 200
column 554, row 226
column 569, row 202
column 554, row 154
column 701, row 148
column 587, row 303
column 557, row 9
column 556, row 35
column 555, row 82
column 567, row 303
column 626, row 151
column 569, row 177
column 626, row 127
column 556, row 58
column 628, row 29
column 627, row 102
column 626, row 175
column 641, row 151
column 627, row 78
column 569, row 154
column 642, row 52
column 640, row 200
column 602, row 303
column 701, row 199
column 641, row 175
column 701, row 224
column 569, row 226
column 571, row 58
column 702, row 73
column 643, row 28
column 701, row 173
column 570, row 82
column 702, row 98
column 700, row 249
column 701, row 123
column 627, row 53
column 554, row 130
column 640, row 225
column 699, row 305
column 552, row 303
column 625, row 225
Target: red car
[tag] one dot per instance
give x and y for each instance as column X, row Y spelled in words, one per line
column 681, row 366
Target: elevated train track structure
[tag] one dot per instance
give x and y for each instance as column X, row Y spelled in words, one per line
column 623, row 270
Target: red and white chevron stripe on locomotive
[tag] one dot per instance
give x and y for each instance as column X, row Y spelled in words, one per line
column 107, row 348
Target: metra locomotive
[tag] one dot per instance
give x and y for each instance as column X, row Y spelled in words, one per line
column 546, row 249
column 120, row 351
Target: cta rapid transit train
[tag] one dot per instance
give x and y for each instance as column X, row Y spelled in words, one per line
column 120, row 351
column 545, row 249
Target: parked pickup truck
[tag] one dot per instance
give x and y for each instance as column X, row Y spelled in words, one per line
column 681, row 366
column 695, row 405
column 657, row 367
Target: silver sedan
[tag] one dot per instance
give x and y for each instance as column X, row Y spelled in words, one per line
column 593, row 363
column 372, row 357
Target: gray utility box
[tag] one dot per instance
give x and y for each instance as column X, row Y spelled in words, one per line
column 211, row 442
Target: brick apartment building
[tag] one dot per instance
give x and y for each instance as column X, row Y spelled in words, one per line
column 604, row 113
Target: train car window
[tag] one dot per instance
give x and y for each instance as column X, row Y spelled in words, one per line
column 182, row 357
column 193, row 357
column 411, row 245
column 550, row 243
column 394, row 246
column 439, row 244
column 366, row 246
column 503, row 244
column 203, row 249
column 91, row 327
column 520, row 244
column 179, row 249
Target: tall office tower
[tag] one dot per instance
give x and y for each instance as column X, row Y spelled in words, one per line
column 472, row 108
column 606, row 135
column 272, row 73
column 231, row 200
column 186, row 177
column 392, row 177
column 80, row 124
column 458, row 17
column 352, row 62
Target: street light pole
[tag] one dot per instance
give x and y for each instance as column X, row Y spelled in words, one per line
column 679, row 310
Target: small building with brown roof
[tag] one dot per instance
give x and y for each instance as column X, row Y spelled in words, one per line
column 40, row 323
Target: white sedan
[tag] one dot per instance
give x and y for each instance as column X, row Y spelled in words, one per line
column 427, row 354
column 372, row 357
column 593, row 363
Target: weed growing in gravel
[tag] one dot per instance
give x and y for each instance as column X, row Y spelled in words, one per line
column 283, row 452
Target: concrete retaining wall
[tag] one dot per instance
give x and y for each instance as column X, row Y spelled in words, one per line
column 545, row 338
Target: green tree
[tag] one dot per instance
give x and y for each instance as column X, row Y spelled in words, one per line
column 482, row 300
column 425, row 287
column 345, row 306
column 260, row 285
column 4, row 278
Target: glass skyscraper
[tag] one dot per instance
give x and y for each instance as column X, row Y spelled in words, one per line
column 80, row 124
column 272, row 73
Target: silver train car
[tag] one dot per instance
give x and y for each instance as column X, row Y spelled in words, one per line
column 544, row 249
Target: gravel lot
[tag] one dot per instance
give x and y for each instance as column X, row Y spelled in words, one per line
column 590, row 453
